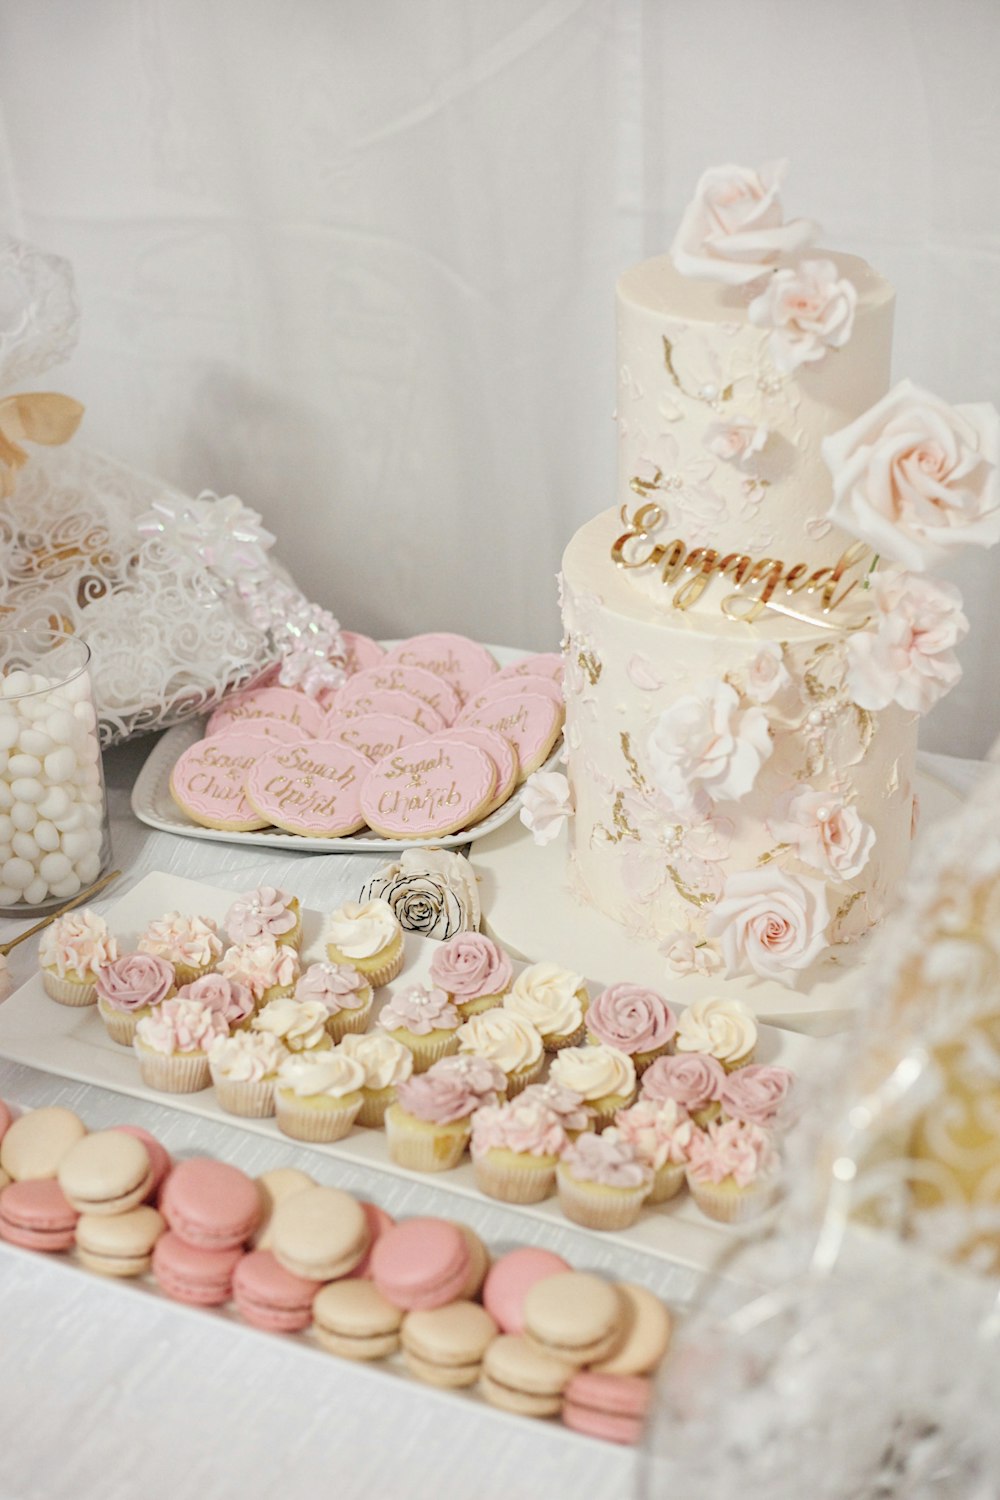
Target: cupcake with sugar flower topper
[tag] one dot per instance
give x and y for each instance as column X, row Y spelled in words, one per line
column 514, row 1045
column 575, row 1115
column 661, row 1135
column 554, row 1000
column 345, row 993
column 758, row 1095
column 429, row 1125
column 172, row 1045
column 423, row 1019
column 473, row 972
column 366, row 935
column 602, row 1182
column 633, row 1019
column 232, row 1000
column 267, row 969
column 71, row 951
column 733, row 1170
column 515, row 1150
column 723, row 1029
column 387, row 1064
column 317, row 1095
column 299, row 1024
column 602, row 1076
column 128, row 988
column 265, row 912
column 192, row 944
column 244, row 1069
column 692, row 1079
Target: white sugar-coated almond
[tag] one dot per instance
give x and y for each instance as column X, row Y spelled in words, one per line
column 6, row 852
column 54, row 867
column 67, row 887
column 35, row 742
column 24, row 765
column 88, row 868
column 36, row 891
column 7, row 829
column 92, row 815
column 60, row 764
column 16, row 683
column 24, row 845
column 55, row 804
column 10, row 729
column 33, row 709
column 84, row 711
column 45, row 834
column 17, row 872
column 8, row 895
column 79, row 842
column 60, row 724
column 71, row 819
column 27, row 789
column 23, row 816
column 6, row 797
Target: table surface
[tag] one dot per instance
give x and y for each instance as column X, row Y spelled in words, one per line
column 209, row 1407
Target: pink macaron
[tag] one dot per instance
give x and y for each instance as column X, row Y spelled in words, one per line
column 612, row 1407
column 378, row 1222
column 37, row 1215
column 270, row 1297
column 510, row 1279
column 421, row 1263
column 187, row 1273
column 160, row 1159
column 209, row 1204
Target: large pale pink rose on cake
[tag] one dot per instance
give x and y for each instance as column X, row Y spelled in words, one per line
column 770, row 923
column 916, row 478
column 824, row 832
column 809, row 310
column 906, row 657
column 734, row 228
column 708, row 746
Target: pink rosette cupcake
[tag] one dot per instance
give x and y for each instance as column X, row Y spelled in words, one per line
column 602, row 1076
column 318, row 1095
column 514, row 1045
column 71, row 951
column 387, row 1064
column 191, row 944
column 343, row 991
column 244, row 1067
column 757, row 1095
column 128, row 988
column 692, row 1079
column 474, row 973
column 299, row 1024
column 732, row 1170
column 602, row 1182
column 429, row 1125
column 661, row 1135
column 515, row 1150
column 634, row 1020
column 424, row 1020
column 231, row 999
column 265, row 912
column 268, row 969
column 724, row 1029
column 172, row 1045
column 574, row 1115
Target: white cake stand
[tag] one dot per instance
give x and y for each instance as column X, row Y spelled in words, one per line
column 529, row 908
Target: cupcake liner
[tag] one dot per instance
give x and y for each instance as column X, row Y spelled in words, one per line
column 356, row 1021
column 188, row 973
column 174, row 1072
column 429, row 1049
column 643, row 1060
column 476, row 1006
column 607, row 1107
column 521, row 1077
column 430, row 1148
column 379, row 970
column 121, row 1024
column 596, row 1206
column 303, row 1123
column 293, row 938
column 274, row 992
column 374, row 1103
column 732, row 1064
column 729, row 1204
column 253, row 1099
column 667, row 1182
column 531, row 1179
column 558, row 1040
column 69, row 991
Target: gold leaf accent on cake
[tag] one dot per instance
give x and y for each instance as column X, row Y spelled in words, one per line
column 619, row 817
column 685, row 891
column 767, row 857
column 726, row 394
column 866, row 727
column 892, row 784
column 589, row 664
column 638, row 780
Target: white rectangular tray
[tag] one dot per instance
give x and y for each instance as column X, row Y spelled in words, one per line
column 73, row 1043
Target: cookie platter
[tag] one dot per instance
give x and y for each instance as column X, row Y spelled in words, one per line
column 73, row 1043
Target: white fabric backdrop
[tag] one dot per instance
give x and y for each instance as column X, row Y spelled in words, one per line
column 354, row 259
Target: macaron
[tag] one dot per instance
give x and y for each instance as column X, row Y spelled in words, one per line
column 422, row 1263
column 210, row 1204
column 378, row 1222
column 575, row 1316
column 445, row 1345
column 119, row 1244
column 352, row 1318
column 511, row 1278
column 36, row 1214
column 518, row 1377
column 479, row 1263
column 647, row 1334
column 160, row 1159
column 274, row 1186
column 269, row 1297
column 107, row 1172
column 193, row 1274
column 36, row 1143
column 320, row 1233
column 611, row 1407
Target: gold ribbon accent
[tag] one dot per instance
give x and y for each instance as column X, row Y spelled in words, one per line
column 32, row 417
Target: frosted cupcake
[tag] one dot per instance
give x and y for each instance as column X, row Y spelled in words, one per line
column 300, row 1025
column 343, row 991
column 244, row 1068
column 172, row 1045
column 661, row 1136
column 514, row 1045
column 317, row 1095
column 265, row 912
column 386, row 1063
column 429, row 1126
column 515, row 1150
column 191, row 944
column 367, row 936
column 633, row 1020
column 574, row 1115
column 473, row 972
column 424, row 1020
column 71, row 951
column 232, row 1000
column 554, row 1000
column 732, row 1170
column 757, row 1095
column 602, row 1183
column 268, row 969
column 604, row 1078
column 128, row 988
column 692, row 1080
column 724, row 1029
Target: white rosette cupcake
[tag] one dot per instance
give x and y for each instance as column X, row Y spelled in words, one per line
column 300, row 1025
column 265, row 912
column 506, row 1040
column 317, row 1095
column 172, row 1045
column 473, row 971
column 268, row 969
column 733, row 1170
column 723, row 1029
column 602, row 1077
column 387, row 1064
column 661, row 1135
column 191, row 944
column 554, row 1000
column 71, row 952
column 244, row 1067
column 367, row 936
column 343, row 991
column 130, row 987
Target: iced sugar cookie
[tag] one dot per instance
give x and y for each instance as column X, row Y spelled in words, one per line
column 393, row 701
column 464, row 663
column 393, row 677
column 361, row 651
column 312, row 788
column 278, row 730
column 434, row 787
column 512, row 687
column 269, row 703
column 373, row 735
column 503, row 755
column 207, row 781
column 544, row 664
column 531, row 723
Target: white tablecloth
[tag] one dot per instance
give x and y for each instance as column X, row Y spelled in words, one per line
column 105, row 1392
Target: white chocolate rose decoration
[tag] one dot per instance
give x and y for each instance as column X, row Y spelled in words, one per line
column 430, row 891
column 809, row 309
column 771, row 923
column 708, row 743
column 734, row 228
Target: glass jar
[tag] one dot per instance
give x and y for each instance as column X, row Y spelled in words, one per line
column 54, row 838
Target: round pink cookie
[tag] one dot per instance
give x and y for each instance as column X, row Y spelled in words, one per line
column 379, row 1222
column 513, row 687
column 279, row 730
column 37, row 1215
column 545, row 664
column 501, row 752
column 607, row 1406
column 270, row 1297
column 160, row 1159
column 509, row 1280
column 312, row 788
column 192, row 1273
column 208, row 779
column 268, row 703
column 361, row 650
column 373, row 735
column 421, row 1263
column 433, row 787
column 531, row 723
column 393, row 701
column 465, row 664
column 211, row 1204
column 393, row 677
